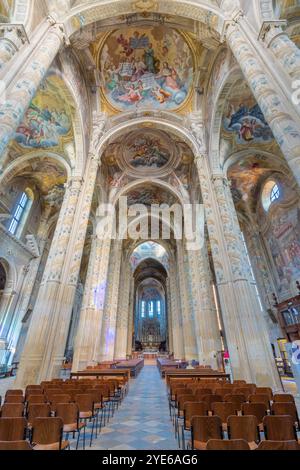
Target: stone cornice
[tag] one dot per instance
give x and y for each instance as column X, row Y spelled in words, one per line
column 5, row 235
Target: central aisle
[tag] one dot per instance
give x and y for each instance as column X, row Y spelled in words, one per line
column 142, row 422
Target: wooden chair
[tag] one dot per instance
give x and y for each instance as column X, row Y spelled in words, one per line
column 59, row 398
column 13, row 429
column 86, row 410
column 283, row 397
column 280, row 408
column 181, row 399
column 47, row 434
column 221, row 445
column 224, row 410
column 69, row 413
column 204, row 428
column 278, row 445
column 190, row 409
column 30, row 393
column 12, row 410
column 98, row 406
column 260, row 410
column 15, row 445
column 259, row 398
column 244, row 427
column 279, row 428
column 37, row 410
column 14, row 399
column 238, row 400
column 245, row 390
column 200, row 392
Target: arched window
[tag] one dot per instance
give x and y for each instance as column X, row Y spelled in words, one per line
column 21, row 212
column 271, row 193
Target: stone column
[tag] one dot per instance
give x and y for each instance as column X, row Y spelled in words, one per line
column 123, row 313
column 30, row 279
column 12, row 37
column 108, row 333
column 48, row 296
column 283, row 48
column 178, row 340
column 245, row 328
column 130, row 318
column 190, row 344
column 20, row 94
column 170, row 317
column 205, row 314
column 278, row 112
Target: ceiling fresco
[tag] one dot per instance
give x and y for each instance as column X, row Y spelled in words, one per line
column 6, row 10
column 149, row 195
column 48, row 119
column 246, row 175
column 244, row 119
column 146, row 66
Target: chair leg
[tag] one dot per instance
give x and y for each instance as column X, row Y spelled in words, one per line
column 78, row 438
column 92, row 435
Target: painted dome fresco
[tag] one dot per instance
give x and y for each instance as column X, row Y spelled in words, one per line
column 146, row 67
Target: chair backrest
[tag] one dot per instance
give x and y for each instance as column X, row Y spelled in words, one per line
column 190, row 409
column 238, row 400
column 243, row 427
column 33, row 387
column 221, row 391
column 12, row 429
column 255, row 409
column 205, row 428
column 15, row 445
column 38, row 410
column 36, row 399
column 210, row 399
column 283, row 397
column 200, row 392
column 182, row 399
column 259, row 398
column 14, row 399
column 14, row 392
column 47, row 431
column 278, row 445
column 264, row 391
column 279, row 428
column 61, row 398
column 281, row 408
column 243, row 391
column 96, row 395
column 68, row 412
column 234, row 444
column 223, row 410
column 12, row 410
column 85, row 402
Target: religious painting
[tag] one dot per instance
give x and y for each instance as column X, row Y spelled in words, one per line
column 147, row 150
column 46, row 120
column 244, row 118
column 245, row 175
column 148, row 66
column 284, row 242
column 149, row 196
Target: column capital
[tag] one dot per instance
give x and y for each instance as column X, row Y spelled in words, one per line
column 231, row 23
column 270, row 30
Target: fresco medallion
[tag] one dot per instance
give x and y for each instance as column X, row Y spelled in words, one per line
column 147, row 67
column 148, row 152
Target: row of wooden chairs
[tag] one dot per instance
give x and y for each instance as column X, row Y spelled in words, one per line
column 241, row 444
column 205, row 428
column 224, row 410
column 46, row 434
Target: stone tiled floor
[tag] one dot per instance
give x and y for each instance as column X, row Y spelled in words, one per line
column 142, row 422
